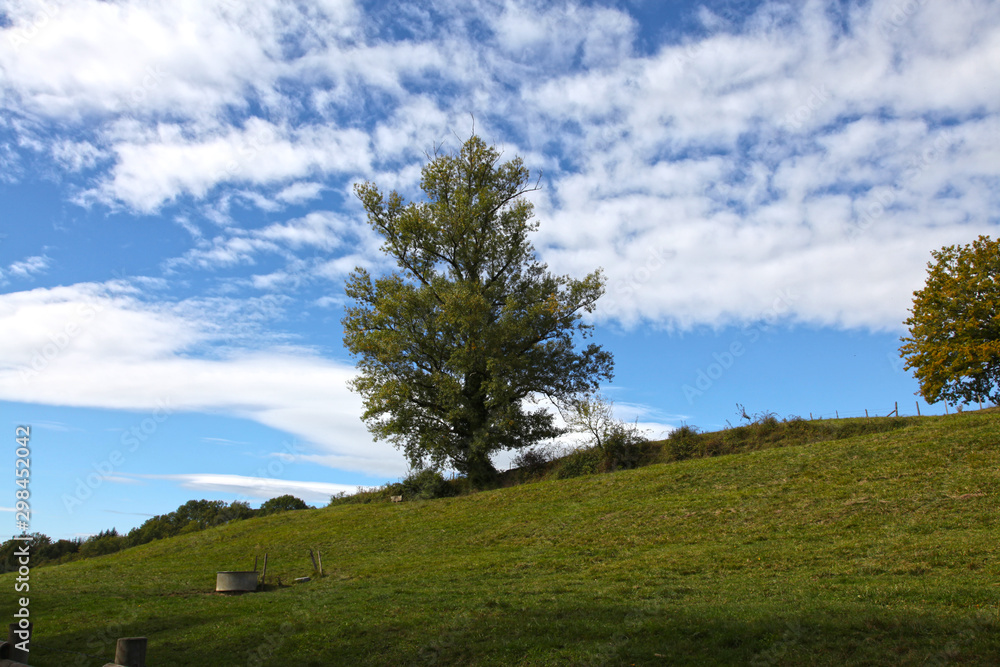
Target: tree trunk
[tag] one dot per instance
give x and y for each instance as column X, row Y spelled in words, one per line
column 477, row 466
column 480, row 472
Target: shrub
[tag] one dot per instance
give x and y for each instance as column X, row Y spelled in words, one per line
column 622, row 447
column 766, row 422
column 734, row 439
column 584, row 461
column 620, row 444
column 682, row 443
column 425, row 484
column 285, row 503
column 532, row 463
column 105, row 542
column 365, row 495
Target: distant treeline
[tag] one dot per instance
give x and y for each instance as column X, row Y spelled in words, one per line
column 190, row 517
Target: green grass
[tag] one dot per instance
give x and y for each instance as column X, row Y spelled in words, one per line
column 874, row 549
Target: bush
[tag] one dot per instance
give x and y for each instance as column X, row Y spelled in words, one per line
column 285, row 503
column 105, row 542
column 365, row 495
column 622, row 447
column 620, row 444
column 585, row 461
column 532, row 463
column 238, row 510
column 425, row 484
column 766, row 422
column 682, row 443
column 422, row 484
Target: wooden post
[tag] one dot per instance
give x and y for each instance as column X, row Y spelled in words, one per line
column 918, row 407
column 866, row 413
column 313, row 559
column 810, row 416
column 837, row 412
column 131, row 652
column 15, row 635
column 319, row 555
column 263, row 576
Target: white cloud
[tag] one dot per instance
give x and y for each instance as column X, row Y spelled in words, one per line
column 299, row 193
column 756, row 160
column 156, row 167
column 559, row 34
column 324, row 231
column 223, row 251
column 754, row 155
column 158, row 84
column 58, row 341
column 257, row 487
column 320, row 229
column 77, row 155
column 28, row 266
column 70, row 59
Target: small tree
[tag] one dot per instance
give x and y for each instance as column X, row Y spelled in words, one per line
column 954, row 342
column 618, row 441
column 105, row 542
column 238, row 510
column 285, row 503
column 591, row 415
column 454, row 346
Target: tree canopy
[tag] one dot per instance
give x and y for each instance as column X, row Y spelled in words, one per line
column 453, row 347
column 285, row 503
column 954, row 342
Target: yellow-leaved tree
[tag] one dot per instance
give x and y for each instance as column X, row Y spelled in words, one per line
column 954, row 342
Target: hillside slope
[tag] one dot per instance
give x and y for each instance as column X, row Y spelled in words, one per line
column 879, row 549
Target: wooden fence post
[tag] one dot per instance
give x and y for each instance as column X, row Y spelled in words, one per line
column 866, row 413
column 918, row 407
column 131, row 652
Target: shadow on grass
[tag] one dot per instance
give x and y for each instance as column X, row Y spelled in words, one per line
column 657, row 631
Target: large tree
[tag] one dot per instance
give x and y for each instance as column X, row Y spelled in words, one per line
column 456, row 346
column 954, row 342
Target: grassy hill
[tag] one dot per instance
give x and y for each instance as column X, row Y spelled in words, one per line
column 874, row 549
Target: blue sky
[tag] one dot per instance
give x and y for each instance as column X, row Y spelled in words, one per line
column 762, row 183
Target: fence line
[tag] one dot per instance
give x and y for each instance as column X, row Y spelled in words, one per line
column 896, row 411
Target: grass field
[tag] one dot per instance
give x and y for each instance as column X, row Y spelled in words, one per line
column 868, row 550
